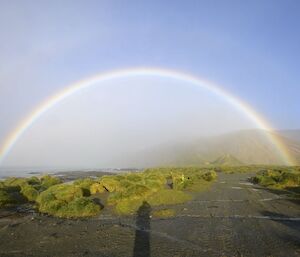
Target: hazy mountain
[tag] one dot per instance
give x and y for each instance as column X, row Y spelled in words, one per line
column 227, row 160
column 241, row 147
column 292, row 134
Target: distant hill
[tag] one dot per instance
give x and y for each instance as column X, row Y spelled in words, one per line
column 241, row 147
column 227, row 160
column 292, row 134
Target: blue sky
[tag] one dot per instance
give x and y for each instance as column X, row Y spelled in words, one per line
column 251, row 48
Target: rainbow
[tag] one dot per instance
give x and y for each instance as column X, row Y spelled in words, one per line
column 15, row 135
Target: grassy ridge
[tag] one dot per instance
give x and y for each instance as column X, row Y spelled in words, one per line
column 126, row 192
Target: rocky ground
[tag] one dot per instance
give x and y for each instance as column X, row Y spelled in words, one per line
column 232, row 218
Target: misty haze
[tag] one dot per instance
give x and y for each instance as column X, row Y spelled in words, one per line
column 112, row 123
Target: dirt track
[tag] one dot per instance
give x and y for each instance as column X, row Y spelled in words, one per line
column 233, row 218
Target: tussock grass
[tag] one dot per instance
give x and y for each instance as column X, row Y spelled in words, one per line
column 152, row 186
column 126, row 192
column 286, row 178
column 8, row 197
column 29, row 192
column 96, row 188
column 66, row 201
column 19, row 190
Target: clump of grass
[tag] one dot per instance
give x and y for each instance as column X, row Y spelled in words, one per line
column 79, row 207
column 84, row 182
column 48, row 181
column 29, row 192
column 19, row 190
column 66, row 201
column 279, row 179
column 132, row 192
column 151, row 186
column 165, row 213
column 168, row 197
column 96, row 188
column 252, row 168
column 6, row 198
column 110, row 183
column 15, row 182
column 126, row 191
column 60, row 192
column 85, row 185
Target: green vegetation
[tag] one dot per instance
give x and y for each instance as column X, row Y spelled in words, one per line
column 124, row 192
column 48, row 181
column 29, row 192
column 66, row 201
column 284, row 178
column 7, row 198
column 158, row 187
column 168, row 197
column 96, row 188
column 85, row 185
column 250, row 168
column 165, row 213
column 19, row 190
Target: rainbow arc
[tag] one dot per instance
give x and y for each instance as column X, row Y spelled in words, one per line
column 243, row 107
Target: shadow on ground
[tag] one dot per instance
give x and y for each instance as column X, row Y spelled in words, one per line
column 142, row 232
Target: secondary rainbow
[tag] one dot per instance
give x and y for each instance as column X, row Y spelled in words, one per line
column 261, row 123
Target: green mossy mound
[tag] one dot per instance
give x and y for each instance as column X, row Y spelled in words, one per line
column 7, row 198
column 66, row 201
column 85, row 185
column 163, row 186
column 286, row 178
column 110, row 183
column 29, row 192
column 20, row 190
column 126, row 192
column 48, row 181
column 60, row 192
column 96, row 188
column 79, row 207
